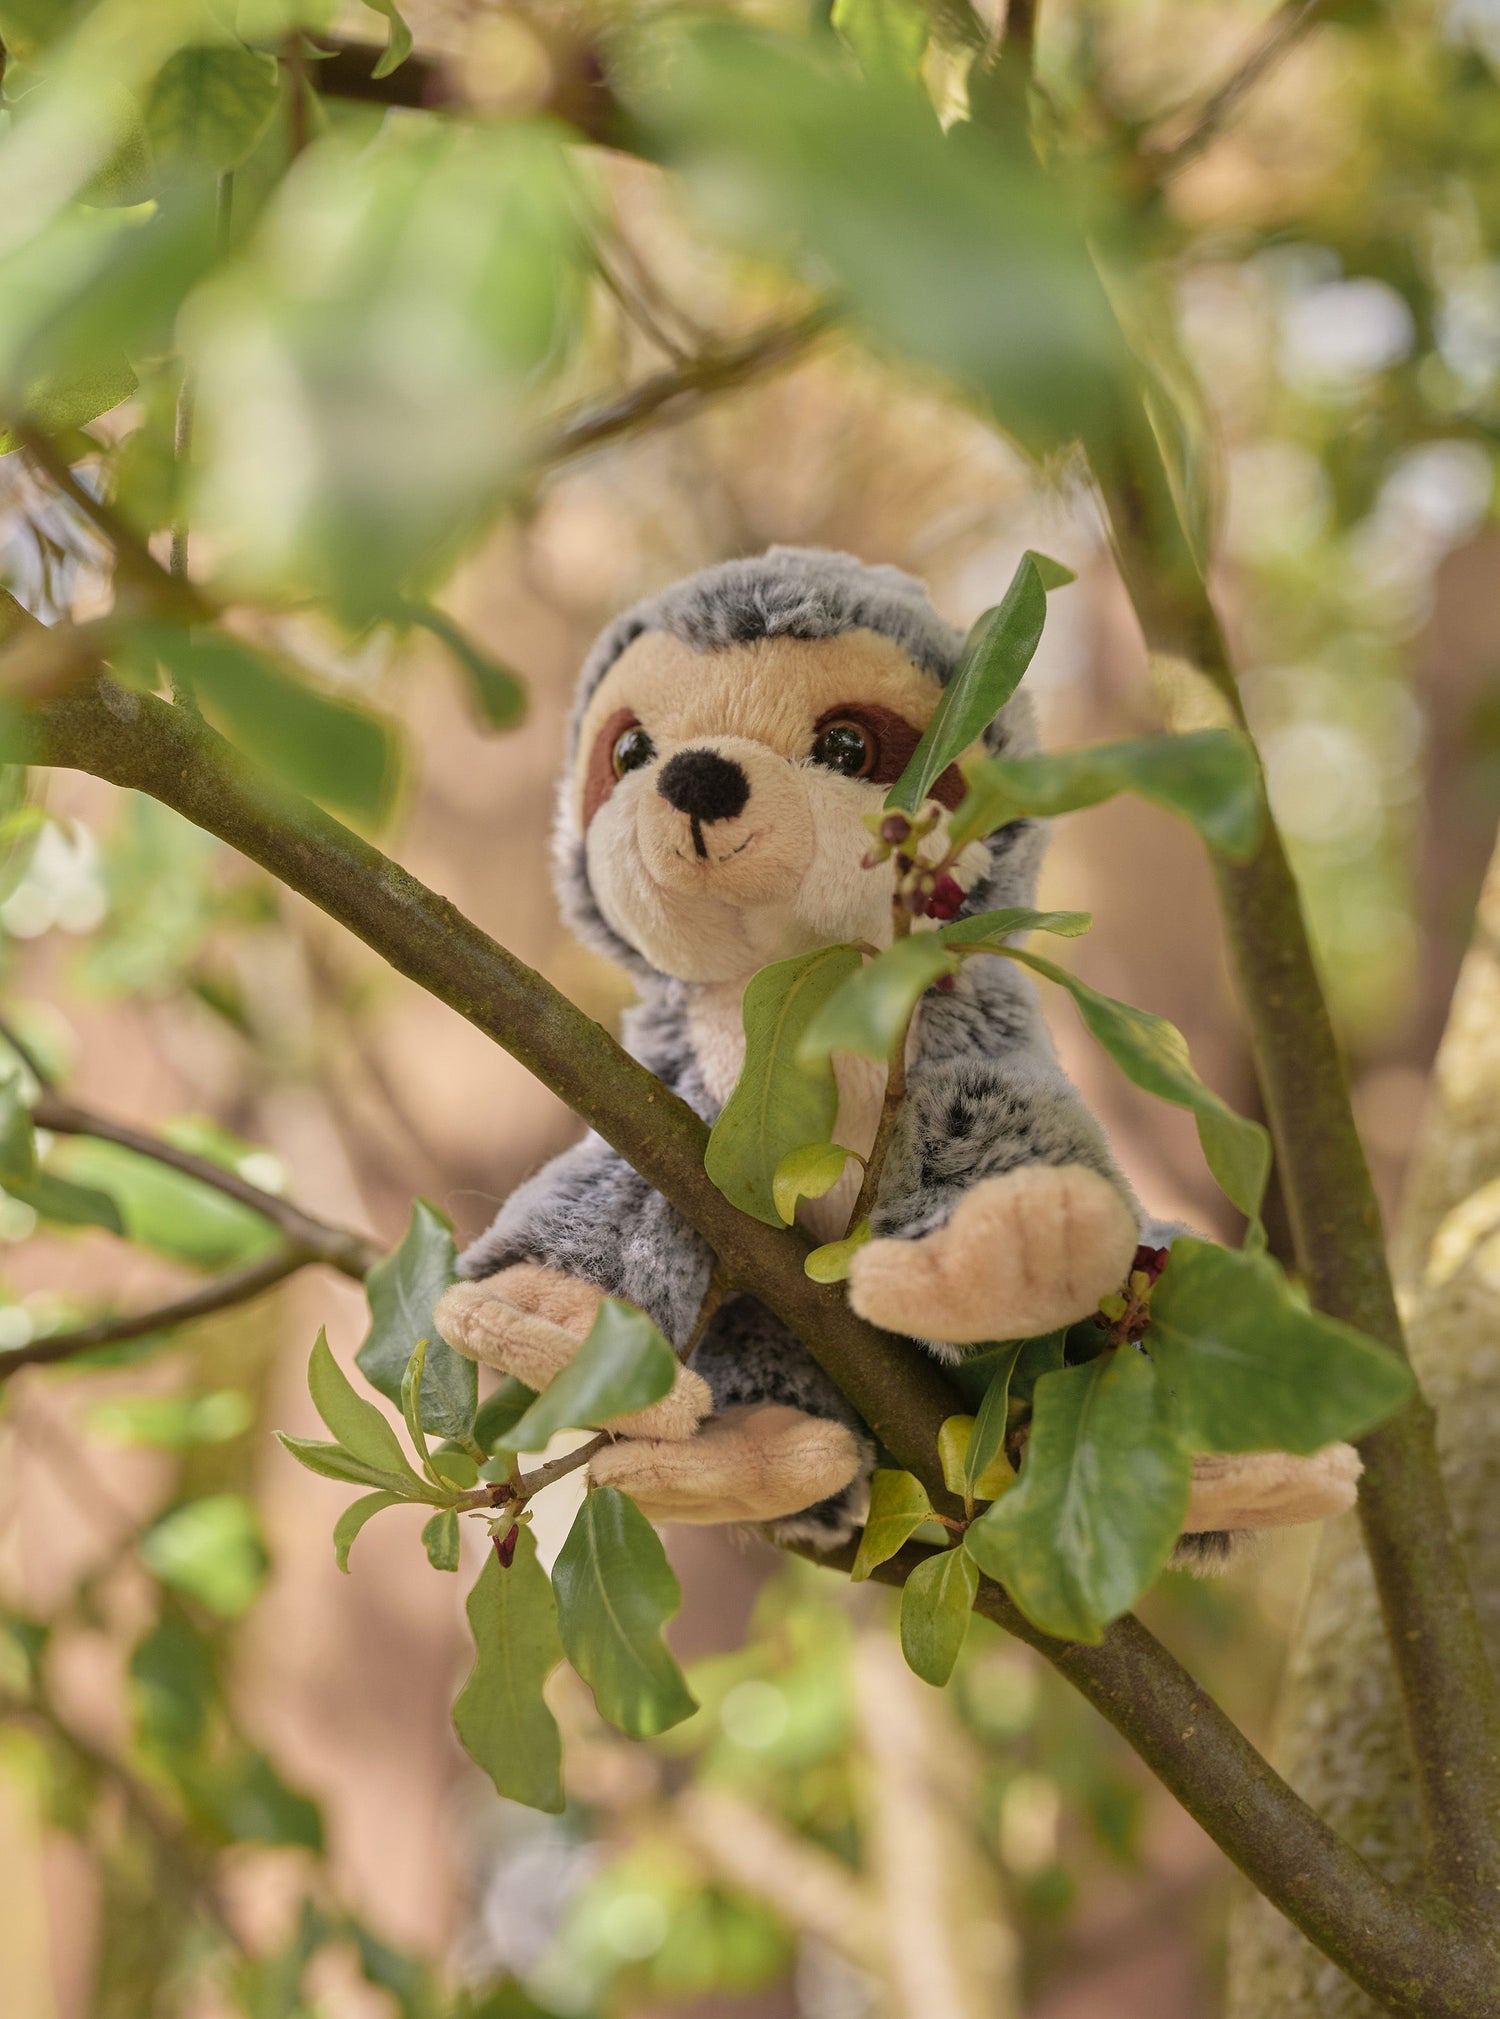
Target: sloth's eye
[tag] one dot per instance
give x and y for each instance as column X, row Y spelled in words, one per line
column 632, row 749
column 847, row 747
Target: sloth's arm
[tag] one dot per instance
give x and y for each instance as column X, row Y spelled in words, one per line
column 588, row 1216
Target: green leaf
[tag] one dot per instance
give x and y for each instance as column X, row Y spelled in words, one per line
column 987, row 1472
column 1100, row 1500
column 898, row 1507
column 335, row 751
column 58, row 402
column 830, row 1263
column 779, row 1101
column 166, row 1210
column 1154, row 1055
column 209, row 106
column 251, row 1803
column 173, row 1422
column 623, row 1365
column 952, row 1444
column 332, row 1461
column 66, row 1204
column 501, row 1717
column 808, row 1173
column 615, row 1592
column 353, row 1519
column 398, row 43
column 506, row 1404
column 499, row 695
column 996, row 653
column 353, row 1422
column 440, row 1540
column 986, row 927
column 936, row 1603
column 211, row 1550
column 402, row 1290
column 1254, row 1370
column 411, row 1389
column 173, row 1688
column 888, row 36
column 869, row 1011
column 1210, row 778
column 17, row 1136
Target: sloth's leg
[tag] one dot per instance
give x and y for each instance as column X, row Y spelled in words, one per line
column 1001, row 1214
column 530, row 1320
column 1270, row 1489
column 759, row 1462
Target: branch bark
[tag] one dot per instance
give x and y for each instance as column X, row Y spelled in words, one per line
column 135, row 741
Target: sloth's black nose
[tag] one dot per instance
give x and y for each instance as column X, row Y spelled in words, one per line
column 703, row 785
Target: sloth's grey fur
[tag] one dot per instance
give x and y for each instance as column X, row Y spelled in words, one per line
column 985, row 1091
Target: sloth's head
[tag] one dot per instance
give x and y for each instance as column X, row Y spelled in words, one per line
column 729, row 737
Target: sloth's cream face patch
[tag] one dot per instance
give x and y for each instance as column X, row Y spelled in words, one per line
column 723, row 795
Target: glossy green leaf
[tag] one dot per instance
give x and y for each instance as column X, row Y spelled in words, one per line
column 209, row 106
column 615, row 1593
column 898, row 1507
column 623, row 1365
column 332, row 1461
column 210, row 1550
column 411, row 1411
column 808, row 1173
column 870, row 1010
column 330, row 748
column 506, row 1404
column 1255, row 1370
column 398, row 42
column 888, row 36
column 1154, row 1055
column 937, row 1601
column 986, row 927
column 501, row 1717
column 1100, row 1500
column 830, row 1263
column 17, row 1136
column 1209, row 777
column 996, row 653
column 440, row 1540
column 952, row 1445
column 498, row 694
column 66, row 1204
column 402, row 1290
column 351, row 1420
column 353, row 1519
column 166, row 1210
column 779, row 1102
column 986, row 1472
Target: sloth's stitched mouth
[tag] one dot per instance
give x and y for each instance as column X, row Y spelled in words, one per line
column 716, row 861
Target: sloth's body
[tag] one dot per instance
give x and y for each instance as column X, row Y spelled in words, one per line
column 730, row 736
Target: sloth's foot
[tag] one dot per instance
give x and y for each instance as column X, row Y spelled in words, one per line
column 1270, row 1489
column 755, row 1463
column 529, row 1321
column 1023, row 1254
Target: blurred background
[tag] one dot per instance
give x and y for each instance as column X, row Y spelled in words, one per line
column 1327, row 262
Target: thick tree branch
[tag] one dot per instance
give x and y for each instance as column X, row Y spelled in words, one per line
column 138, row 742
column 1453, row 1716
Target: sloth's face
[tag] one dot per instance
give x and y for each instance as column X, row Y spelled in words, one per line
column 722, row 795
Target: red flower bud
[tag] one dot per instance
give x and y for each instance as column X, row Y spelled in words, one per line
column 947, row 898
column 894, row 828
column 1150, row 1262
column 505, row 1545
column 946, row 984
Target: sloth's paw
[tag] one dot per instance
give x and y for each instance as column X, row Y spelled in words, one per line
column 1023, row 1254
column 1270, row 1489
column 756, row 1463
column 529, row 1321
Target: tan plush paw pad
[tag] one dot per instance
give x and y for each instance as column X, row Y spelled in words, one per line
column 527, row 1321
column 676, row 1416
column 1271, row 1489
column 1023, row 1254
column 752, row 1464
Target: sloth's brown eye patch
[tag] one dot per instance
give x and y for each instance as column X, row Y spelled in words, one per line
column 614, row 752
column 882, row 741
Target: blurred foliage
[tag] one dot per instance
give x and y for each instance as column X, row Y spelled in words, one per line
column 330, row 337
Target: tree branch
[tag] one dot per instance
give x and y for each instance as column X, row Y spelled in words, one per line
column 1282, row 32
column 135, row 741
column 1453, row 1717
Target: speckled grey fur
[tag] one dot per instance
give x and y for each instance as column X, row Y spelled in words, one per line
column 986, row 1093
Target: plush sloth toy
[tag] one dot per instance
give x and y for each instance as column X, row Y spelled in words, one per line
column 729, row 736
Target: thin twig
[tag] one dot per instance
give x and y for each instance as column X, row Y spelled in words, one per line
column 238, row 1286
column 341, row 1248
column 1282, row 32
